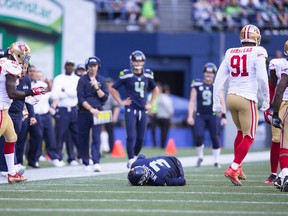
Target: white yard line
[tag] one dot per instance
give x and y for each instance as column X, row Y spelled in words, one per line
column 114, row 168
column 163, row 211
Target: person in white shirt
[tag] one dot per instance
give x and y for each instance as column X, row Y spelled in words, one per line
column 246, row 69
column 18, row 54
column 66, row 117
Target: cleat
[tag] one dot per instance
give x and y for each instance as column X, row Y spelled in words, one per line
column 199, row 161
column 96, row 168
column 278, row 183
column 73, row 163
column 271, row 179
column 87, row 168
column 241, row 174
column 17, row 178
column 216, row 165
column 233, row 176
column 284, row 186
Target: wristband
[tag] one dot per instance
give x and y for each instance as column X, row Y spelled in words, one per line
column 223, row 115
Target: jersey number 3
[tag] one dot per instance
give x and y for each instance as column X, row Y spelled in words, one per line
column 240, row 64
column 158, row 163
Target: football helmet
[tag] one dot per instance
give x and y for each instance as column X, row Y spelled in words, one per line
column 250, row 34
column 286, row 48
column 137, row 56
column 94, row 60
column 138, row 176
column 20, row 52
column 210, row 67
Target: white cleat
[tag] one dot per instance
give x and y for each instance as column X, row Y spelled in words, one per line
column 57, row 163
column 96, row 167
column 87, row 168
column 74, row 163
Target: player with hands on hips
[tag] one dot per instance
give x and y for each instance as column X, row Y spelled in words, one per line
column 137, row 81
column 245, row 68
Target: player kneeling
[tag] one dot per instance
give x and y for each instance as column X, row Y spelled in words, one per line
column 156, row 171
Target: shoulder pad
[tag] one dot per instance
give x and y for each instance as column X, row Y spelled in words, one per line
column 12, row 67
column 125, row 74
column 196, row 82
column 262, row 52
column 148, row 73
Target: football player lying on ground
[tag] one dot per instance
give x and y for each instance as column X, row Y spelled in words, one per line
column 156, row 171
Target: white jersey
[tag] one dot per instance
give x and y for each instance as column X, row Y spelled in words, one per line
column 279, row 65
column 246, row 69
column 65, row 87
column 7, row 67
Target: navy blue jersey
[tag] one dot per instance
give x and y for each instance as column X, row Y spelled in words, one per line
column 164, row 170
column 86, row 92
column 204, row 97
column 136, row 86
column 18, row 105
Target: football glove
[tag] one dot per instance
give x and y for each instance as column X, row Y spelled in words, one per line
column 276, row 121
column 38, row 90
column 268, row 116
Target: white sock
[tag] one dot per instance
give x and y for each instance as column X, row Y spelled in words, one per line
column 235, row 166
column 284, row 172
column 216, row 154
column 10, row 163
column 200, row 151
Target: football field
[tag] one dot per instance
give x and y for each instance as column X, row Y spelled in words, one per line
column 207, row 192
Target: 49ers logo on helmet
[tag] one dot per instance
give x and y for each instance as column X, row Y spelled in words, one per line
column 22, row 47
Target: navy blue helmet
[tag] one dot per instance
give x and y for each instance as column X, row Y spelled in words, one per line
column 210, row 67
column 138, row 175
column 137, row 56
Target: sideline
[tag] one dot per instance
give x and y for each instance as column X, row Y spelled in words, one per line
column 120, row 167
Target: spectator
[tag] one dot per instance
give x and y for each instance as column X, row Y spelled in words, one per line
column 111, row 104
column 44, row 129
column 92, row 93
column 202, row 12
column 148, row 19
column 152, row 118
column 269, row 15
column 66, row 117
column 165, row 113
column 80, row 70
column 234, row 15
column 116, row 10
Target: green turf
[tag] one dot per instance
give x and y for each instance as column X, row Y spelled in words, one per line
column 207, row 192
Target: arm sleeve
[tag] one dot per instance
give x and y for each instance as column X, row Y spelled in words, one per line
column 80, row 92
column 175, row 181
column 262, row 76
column 221, row 77
column 57, row 88
column 30, row 109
